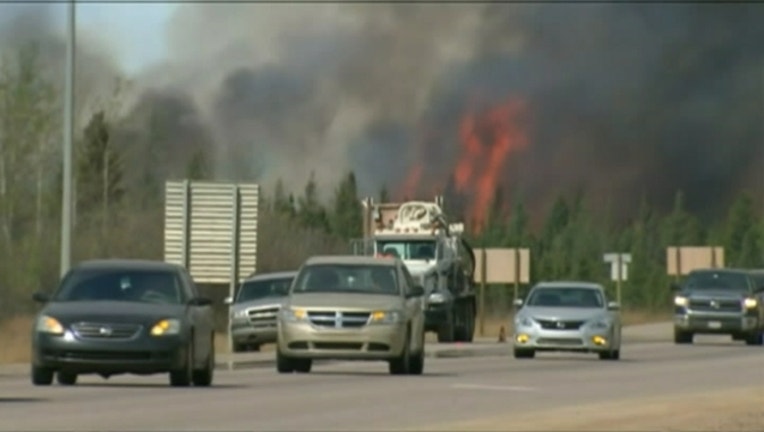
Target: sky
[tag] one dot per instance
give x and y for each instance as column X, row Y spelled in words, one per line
column 134, row 30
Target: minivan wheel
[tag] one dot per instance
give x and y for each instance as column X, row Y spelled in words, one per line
column 284, row 364
column 401, row 364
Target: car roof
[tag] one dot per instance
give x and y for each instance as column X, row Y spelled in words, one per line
column 350, row 260
column 569, row 284
column 271, row 275
column 125, row 264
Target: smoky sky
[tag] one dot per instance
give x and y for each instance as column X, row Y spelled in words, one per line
column 624, row 99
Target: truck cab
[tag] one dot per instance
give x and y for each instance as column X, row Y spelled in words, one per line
column 720, row 301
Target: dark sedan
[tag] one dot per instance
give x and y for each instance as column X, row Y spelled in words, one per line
column 112, row 317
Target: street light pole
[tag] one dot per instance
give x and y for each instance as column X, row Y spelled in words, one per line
column 68, row 132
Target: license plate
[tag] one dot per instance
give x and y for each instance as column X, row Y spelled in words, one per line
column 714, row 325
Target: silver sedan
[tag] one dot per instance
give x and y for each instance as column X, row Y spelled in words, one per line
column 567, row 316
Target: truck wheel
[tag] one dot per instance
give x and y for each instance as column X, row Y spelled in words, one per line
column 284, row 364
column 446, row 331
column 469, row 323
column 681, row 337
column 755, row 339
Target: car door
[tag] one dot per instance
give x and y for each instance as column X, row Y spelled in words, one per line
column 414, row 305
column 202, row 320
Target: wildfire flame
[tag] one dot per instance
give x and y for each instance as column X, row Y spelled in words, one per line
column 487, row 138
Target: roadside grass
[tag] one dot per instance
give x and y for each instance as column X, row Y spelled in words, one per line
column 15, row 333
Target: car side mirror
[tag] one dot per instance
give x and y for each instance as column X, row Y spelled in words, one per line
column 200, row 301
column 40, row 297
column 518, row 303
column 674, row 287
column 416, row 291
column 228, row 301
column 613, row 306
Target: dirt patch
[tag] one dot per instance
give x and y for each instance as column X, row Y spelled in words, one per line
column 737, row 409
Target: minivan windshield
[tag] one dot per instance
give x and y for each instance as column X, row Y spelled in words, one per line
column 717, row 280
column 568, row 297
column 264, row 288
column 347, row 278
column 124, row 285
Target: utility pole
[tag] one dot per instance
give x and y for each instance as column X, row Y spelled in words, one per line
column 68, row 132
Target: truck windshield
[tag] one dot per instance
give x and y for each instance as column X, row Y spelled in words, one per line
column 407, row 249
column 726, row 281
column 264, row 288
column 347, row 278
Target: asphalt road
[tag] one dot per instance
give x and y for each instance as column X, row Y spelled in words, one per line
column 362, row 396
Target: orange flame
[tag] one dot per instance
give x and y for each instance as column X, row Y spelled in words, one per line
column 487, row 140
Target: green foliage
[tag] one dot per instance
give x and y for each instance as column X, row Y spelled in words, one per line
column 348, row 213
column 99, row 168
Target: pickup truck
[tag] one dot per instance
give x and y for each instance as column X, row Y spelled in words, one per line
column 720, row 301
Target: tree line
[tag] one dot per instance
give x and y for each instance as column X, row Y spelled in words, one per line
column 119, row 180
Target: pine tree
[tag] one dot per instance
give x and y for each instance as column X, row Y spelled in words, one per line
column 99, row 169
column 347, row 218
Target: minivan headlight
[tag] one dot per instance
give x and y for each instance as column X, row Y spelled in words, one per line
column 294, row 314
column 385, row 317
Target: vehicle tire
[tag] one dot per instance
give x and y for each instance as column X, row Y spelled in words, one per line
column 284, row 364
column 66, row 378
column 254, row 347
column 681, row 337
column 465, row 330
column 401, row 365
column 237, row 348
column 738, row 337
column 204, row 377
column 41, row 376
column 521, row 353
column 303, row 365
column 446, row 330
column 470, row 324
column 416, row 361
column 755, row 338
column 610, row 355
column 184, row 377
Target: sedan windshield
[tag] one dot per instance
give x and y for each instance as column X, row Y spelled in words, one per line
column 264, row 288
column 372, row 279
column 568, row 297
column 725, row 281
column 146, row 286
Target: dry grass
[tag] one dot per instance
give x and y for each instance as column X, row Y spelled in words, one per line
column 16, row 332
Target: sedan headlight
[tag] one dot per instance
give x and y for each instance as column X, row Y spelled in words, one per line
column 385, row 317
column 294, row 314
column 598, row 324
column 750, row 303
column 523, row 322
column 680, row 301
column 49, row 325
column 166, row 327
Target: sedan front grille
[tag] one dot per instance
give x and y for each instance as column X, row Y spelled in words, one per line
column 560, row 325
column 711, row 305
column 339, row 319
column 107, row 331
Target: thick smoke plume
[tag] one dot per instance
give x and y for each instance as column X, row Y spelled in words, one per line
column 623, row 100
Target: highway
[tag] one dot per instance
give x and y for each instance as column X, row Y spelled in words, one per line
column 554, row 391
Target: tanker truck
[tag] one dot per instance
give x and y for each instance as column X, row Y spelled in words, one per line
column 435, row 253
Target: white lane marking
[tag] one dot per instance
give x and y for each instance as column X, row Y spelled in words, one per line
column 493, row 387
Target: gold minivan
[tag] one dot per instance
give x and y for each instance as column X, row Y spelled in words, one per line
column 352, row 308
